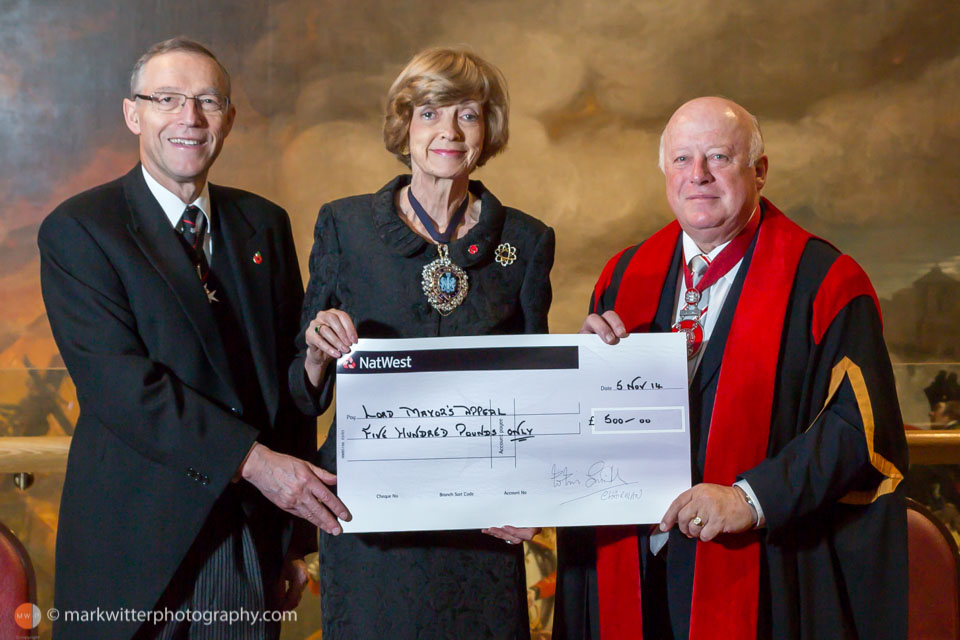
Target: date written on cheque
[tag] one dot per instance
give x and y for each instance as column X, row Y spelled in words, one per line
column 637, row 384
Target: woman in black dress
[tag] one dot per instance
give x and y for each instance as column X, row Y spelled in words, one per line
column 487, row 271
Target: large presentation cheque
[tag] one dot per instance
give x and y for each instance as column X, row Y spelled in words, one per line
column 543, row 430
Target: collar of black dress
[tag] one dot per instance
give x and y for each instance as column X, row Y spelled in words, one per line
column 476, row 246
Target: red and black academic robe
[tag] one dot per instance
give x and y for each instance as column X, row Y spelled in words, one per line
column 795, row 393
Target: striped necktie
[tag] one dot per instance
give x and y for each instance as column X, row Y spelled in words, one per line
column 192, row 229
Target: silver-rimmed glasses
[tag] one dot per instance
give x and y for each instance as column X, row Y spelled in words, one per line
column 172, row 102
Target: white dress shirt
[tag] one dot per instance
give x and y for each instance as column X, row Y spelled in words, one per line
column 173, row 207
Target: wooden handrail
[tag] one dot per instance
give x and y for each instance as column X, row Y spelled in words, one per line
column 48, row 454
column 38, row 454
column 934, row 447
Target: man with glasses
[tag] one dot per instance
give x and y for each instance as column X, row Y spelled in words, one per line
column 175, row 304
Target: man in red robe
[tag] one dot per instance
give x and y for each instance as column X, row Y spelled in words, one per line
column 795, row 524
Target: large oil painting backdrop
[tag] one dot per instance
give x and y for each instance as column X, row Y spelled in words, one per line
column 857, row 99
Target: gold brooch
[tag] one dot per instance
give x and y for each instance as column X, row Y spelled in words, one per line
column 506, row 254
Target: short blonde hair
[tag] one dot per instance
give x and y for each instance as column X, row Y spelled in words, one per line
column 442, row 76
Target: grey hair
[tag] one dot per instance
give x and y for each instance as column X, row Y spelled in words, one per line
column 756, row 142
column 180, row 43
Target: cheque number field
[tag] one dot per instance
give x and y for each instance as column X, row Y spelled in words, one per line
column 626, row 420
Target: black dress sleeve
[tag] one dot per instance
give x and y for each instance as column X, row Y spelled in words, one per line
column 321, row 295
column 535, row 292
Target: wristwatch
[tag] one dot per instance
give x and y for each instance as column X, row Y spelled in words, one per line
column 753, row 507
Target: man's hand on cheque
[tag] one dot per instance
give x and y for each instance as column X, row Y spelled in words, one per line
column 608, row 326
column 707, row 510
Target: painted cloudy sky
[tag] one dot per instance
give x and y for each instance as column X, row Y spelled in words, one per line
column 858, row 102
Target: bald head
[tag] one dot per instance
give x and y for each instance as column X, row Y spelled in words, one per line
column 732, row 110
column 711, row 154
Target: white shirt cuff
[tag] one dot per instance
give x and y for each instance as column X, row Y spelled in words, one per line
column 743, row 484
column 658, row 540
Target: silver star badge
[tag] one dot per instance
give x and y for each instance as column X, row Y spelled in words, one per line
column 211, row 295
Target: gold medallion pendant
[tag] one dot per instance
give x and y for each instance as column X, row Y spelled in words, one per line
column 444, row 283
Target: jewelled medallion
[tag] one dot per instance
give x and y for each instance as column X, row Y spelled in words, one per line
column 694, row 332
column 688, row 323
column 444, row 283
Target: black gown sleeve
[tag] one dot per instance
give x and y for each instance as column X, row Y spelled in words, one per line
column 831, row 460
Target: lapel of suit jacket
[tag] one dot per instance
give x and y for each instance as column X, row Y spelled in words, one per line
column 158, row 240
column 243, row 239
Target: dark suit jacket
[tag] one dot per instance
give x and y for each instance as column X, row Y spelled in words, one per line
column 161, row 429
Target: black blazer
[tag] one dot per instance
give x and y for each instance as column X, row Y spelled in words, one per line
column 161, row 430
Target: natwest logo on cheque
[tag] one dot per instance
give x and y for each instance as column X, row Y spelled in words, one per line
column 378, row 362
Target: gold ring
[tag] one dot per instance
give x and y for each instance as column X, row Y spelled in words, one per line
column 696, row 521
column 316, row 328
